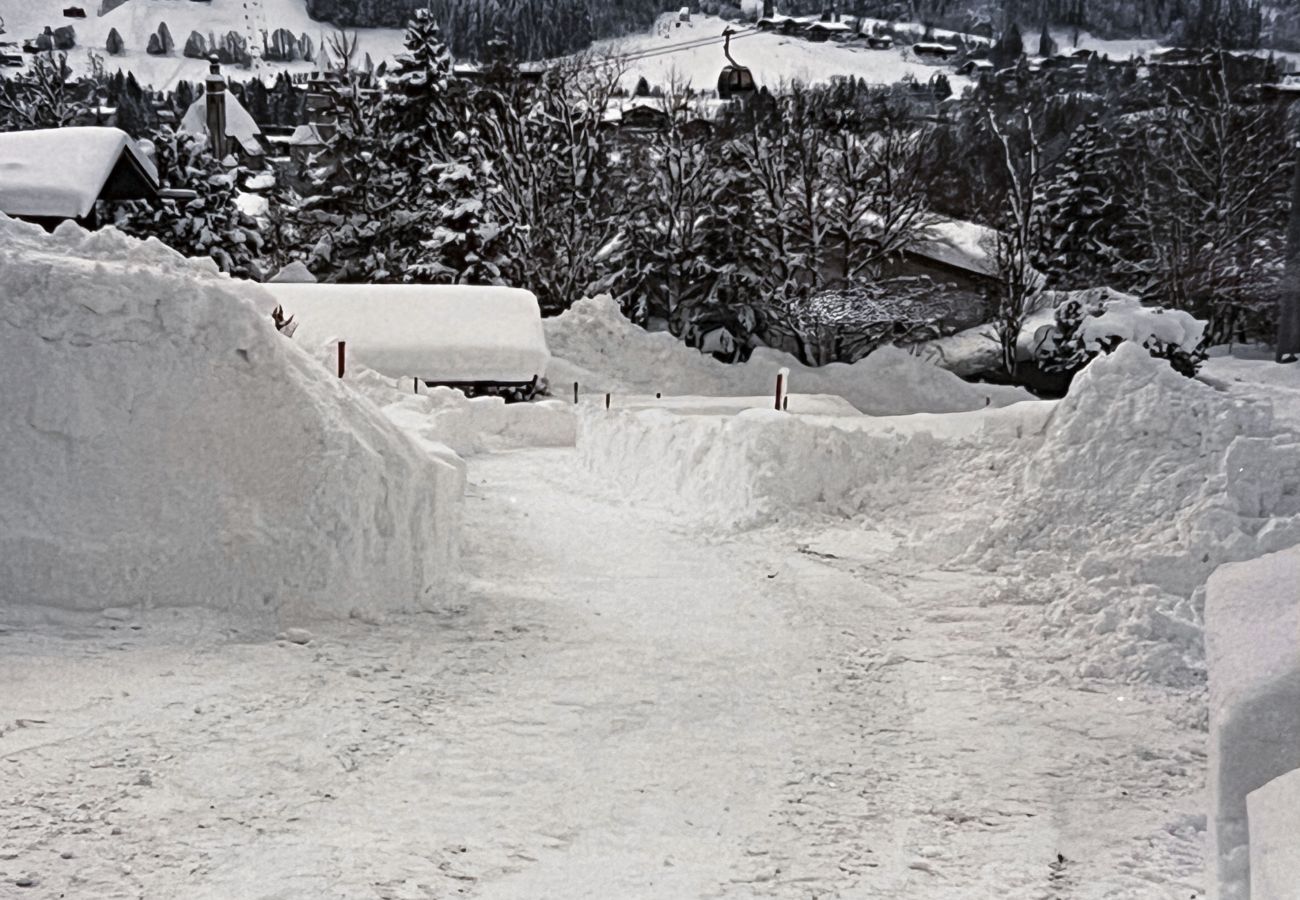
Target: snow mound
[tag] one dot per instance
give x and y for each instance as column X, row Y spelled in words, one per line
column 1252, row 622
column 468, row 425
column 1274, row 814
column 594, row 344
column 170, row 448
column 762, row 465
column 1144, row 483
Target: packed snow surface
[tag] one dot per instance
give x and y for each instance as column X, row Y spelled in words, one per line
column 60, row 172
column 1252, row 621
column 1274, row 812
column 619, row 706
column 595, row 345
column 1252, row 371
column 439, row 333
column 169, row 448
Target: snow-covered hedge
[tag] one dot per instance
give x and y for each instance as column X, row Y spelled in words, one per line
column 165, row 446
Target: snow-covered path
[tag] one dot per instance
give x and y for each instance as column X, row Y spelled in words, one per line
column 619, row 706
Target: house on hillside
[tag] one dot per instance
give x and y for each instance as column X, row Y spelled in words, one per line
column 229, row 127
column 931, row 50
column 828, row 31
column 880, row 42
column 51, row 175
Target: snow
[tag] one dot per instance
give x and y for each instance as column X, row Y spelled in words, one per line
column 170, row 449
column 135, row 20
column 468, row 425
column 616, row 707
column 1144, row 482
column 239, row 121
column 1114, row 316
column 760, row 466
column 594, row 344
column 60, row 172
column 774, row 59
column 1252, row 372
column 440, row 333
column 1274, row 813
column 1101, row 515
column 1252, row 621
column 799, row 404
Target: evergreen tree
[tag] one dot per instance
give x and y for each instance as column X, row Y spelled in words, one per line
column 211, row 224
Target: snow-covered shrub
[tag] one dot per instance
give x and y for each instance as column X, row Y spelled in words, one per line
column 1087, row 325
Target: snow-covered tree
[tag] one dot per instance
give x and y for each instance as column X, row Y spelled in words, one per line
column 211, row 224
column 45, row 95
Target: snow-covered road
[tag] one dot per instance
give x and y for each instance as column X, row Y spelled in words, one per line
column 618, row 706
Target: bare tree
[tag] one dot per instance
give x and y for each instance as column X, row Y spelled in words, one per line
column 1018, row 237
column 343, row 50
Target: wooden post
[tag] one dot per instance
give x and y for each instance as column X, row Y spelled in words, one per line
column 785, row 403
column 575, row 393
column 658, row 395
column 607, row 401
column 780, row 387
column 342, row 356
column 415, row 385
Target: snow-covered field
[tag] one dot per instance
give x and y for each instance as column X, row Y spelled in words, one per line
column 691, row 646
column 135, row 20
column 774, row 59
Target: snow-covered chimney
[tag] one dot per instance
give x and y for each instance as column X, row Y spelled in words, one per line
column 214, row 88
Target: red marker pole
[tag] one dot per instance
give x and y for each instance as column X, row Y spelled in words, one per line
column 607, row 401
column 575, row 393
column 780, row 387
column 342, row 355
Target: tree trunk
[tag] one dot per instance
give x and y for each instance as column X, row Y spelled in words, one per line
column 1288, row 301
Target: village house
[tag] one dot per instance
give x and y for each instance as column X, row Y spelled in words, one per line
column 228, row 126
column 51, row 175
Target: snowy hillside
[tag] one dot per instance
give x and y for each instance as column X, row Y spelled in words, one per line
column 135, row 20
column 774, row 59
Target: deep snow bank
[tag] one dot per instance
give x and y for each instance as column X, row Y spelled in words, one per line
column 1252, row 638
column 1103, row 513
column 1144, row 483
column 467, row 425
column 165, row 446
column 1274, row 812
column 594, row 344
column 759, row 465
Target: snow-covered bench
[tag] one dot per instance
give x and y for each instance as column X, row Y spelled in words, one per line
column 474, row 338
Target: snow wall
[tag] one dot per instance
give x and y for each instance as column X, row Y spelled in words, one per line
column 165, row 446
column 594, row 344
column 1274, row 848
column 1252, row 620
column 468, row 425
column 1101, row 514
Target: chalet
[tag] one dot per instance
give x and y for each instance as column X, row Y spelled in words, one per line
column 973, row 68
column 828, row 31
column 229, row 127
column 880, row 42
column 54, row 174
column 773, row 23
column 1176, row 56
column 931, row 50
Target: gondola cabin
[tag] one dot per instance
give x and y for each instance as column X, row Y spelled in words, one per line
column 734, row 81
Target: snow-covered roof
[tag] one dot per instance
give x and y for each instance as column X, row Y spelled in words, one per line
column 306, row 136
column 963, row 245
column 240, row 124
column 61, row 172
column 830, row 26
column 440, row 333
column 932, row 47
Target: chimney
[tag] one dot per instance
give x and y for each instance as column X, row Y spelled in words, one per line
column 214, row 88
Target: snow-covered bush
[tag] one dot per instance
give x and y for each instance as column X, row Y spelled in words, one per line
column 1087, row 326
